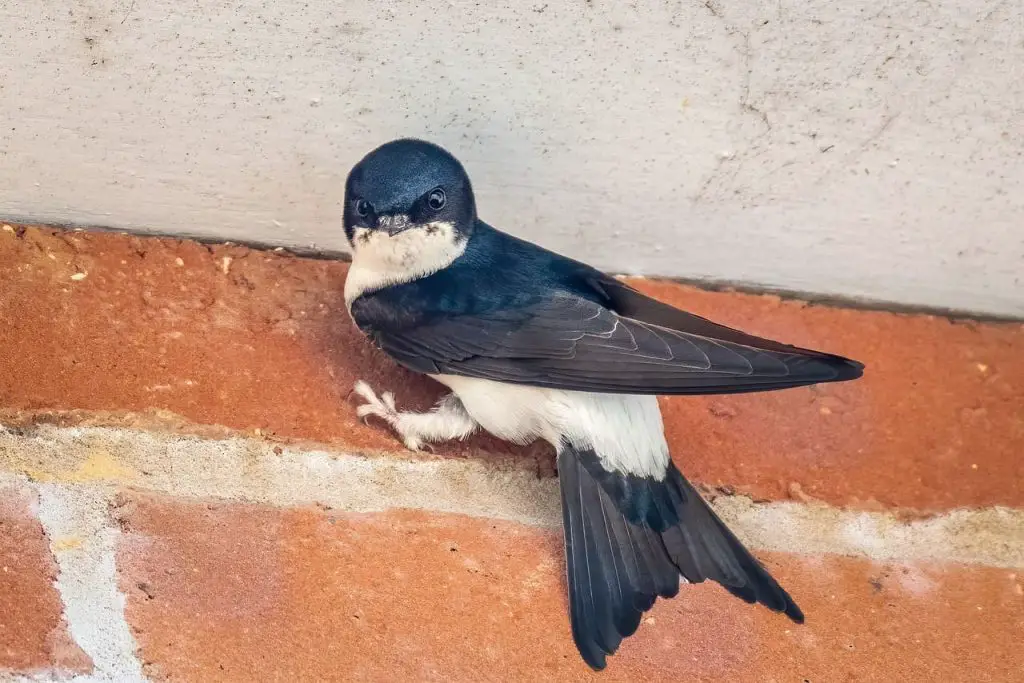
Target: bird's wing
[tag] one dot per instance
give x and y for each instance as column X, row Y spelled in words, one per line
column 570, row 342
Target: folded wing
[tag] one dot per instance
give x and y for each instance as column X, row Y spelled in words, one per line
column 622, row 342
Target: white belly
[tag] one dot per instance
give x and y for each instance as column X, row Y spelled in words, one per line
column 625, row 431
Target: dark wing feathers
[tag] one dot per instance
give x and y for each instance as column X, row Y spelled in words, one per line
column 630, row 303
column 570, row 342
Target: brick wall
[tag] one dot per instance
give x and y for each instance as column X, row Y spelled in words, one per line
column 186, row 493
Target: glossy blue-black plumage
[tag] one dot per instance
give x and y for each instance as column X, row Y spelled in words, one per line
column 397, row 177
column 510, row 311
column 621, row 559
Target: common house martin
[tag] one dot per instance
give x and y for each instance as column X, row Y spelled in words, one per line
column 534, row 345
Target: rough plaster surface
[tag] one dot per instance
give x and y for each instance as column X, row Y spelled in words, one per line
column 257, row 471
column 860, row 149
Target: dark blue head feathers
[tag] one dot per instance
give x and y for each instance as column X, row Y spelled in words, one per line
column 414, row 179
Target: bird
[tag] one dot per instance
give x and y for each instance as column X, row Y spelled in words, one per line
column 535, row 345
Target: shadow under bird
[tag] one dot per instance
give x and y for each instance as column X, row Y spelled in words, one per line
column 534, row 345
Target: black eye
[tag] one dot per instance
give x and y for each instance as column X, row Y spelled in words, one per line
column 436, row 199
column 362, row 208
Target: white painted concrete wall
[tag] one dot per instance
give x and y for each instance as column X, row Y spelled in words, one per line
column 872, row 149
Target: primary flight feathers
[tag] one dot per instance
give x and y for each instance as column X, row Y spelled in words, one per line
column 628, row 343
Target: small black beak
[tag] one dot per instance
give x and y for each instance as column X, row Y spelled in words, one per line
column 393, row 224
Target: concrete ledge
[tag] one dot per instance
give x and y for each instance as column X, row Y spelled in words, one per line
column 848, row 148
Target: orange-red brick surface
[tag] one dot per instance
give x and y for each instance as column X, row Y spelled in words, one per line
column 250, row 340
column 241, row 593
column 156, row 333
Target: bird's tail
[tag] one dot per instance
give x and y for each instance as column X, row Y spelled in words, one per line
column 627, row 541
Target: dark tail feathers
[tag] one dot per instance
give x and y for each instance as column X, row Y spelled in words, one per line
column 628, row 539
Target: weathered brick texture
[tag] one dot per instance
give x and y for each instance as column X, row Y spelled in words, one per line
column 259, row 340
column 222, row 592
column 234, row 568
column 33, row 635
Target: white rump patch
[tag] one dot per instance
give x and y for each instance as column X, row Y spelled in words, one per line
column 625, row 431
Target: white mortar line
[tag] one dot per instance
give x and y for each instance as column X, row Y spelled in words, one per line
column 249, row 470
column 988, row 536
column 84, row 542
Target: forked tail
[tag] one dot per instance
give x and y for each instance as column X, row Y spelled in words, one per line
column 627, row 541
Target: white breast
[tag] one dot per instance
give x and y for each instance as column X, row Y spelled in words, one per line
column 625, row 431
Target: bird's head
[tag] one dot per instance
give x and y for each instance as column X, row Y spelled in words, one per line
column 408, row 186
column 409, row 212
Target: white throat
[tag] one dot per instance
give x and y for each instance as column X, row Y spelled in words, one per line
column 380, row 260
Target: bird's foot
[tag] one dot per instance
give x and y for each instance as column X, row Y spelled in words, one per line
column 384, row 408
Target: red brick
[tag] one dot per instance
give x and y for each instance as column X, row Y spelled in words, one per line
column 221, row 592
column 33, row 634
column 263, row 341
column 937, row 421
